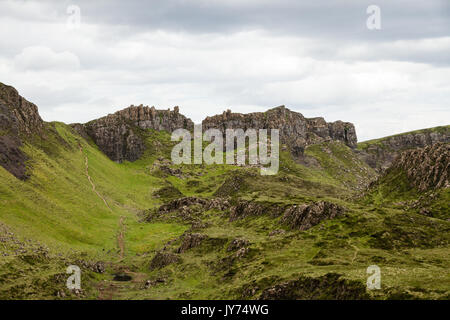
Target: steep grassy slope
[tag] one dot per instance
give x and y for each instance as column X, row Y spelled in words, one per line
column 58, row 207
column 418, row 181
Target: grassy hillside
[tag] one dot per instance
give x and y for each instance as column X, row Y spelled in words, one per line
column 58, row 208
column 56, row 219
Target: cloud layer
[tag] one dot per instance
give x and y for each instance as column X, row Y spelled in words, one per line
column 207, row 56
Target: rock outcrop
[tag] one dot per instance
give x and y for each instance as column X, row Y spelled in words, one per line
column 191, row 240
column 238, row 244
column 426, row 168
column 245, row 208
column 117, row 135
column 304, row 217
column 19, row 121
column 163, row 259
column 380, row 153
column 296, row 131
column 25, row 118
column 329, row 286
column 205, row 204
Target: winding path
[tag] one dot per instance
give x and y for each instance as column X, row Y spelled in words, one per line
column 120, row 236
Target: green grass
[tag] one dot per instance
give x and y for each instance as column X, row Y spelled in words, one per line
column 57, row 208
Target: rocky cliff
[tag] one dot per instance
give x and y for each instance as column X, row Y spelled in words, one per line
column 117, row 135
column 426, row 168
column 380, row 153
column 296, row 131
column 19, row 120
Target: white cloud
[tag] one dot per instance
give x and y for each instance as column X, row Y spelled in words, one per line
column 79, row 75
column 43, row 58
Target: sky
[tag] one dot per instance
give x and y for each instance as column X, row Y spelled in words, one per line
column 80, row 60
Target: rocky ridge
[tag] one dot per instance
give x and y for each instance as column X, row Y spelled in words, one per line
column 296, row 131
column 304, row 217
column 380, row 153
column 426, row 168
column 19, row 120
column 117, row 135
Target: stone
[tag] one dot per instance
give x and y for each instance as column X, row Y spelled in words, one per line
column 328, row 286
column 237, row 244
column 427, row 168
column 382, row 154
column 305, row 216
column 163, row 259
column 19, row 122
column 116, row 134
column 191, row 240
column 296, row 131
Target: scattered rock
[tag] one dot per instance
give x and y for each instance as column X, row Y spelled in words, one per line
column 163, row 259
column 242, row 252
column 237, row 244
column 60, row 294
column 277, row 232
column 151, row 283
column 99, row 267
column 330, row 286
column 190, row 241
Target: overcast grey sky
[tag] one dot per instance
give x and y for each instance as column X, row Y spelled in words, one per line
column 316, row 57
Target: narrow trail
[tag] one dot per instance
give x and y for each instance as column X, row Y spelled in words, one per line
column 107, row 289
column 86, row 163
column 120, row 236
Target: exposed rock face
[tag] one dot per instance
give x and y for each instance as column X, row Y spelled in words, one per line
column 180, row 203
column 304, row 216
column 246, row 208
column 380, row 155
column 116, row 138
column 329, row 286
column 191, row 240
column 150, row 118
column 24, row 114
column 117, row 134
column 19, row 119
column 426, row 168
column 296, row 131
column 220, row 204
column 163, row 259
